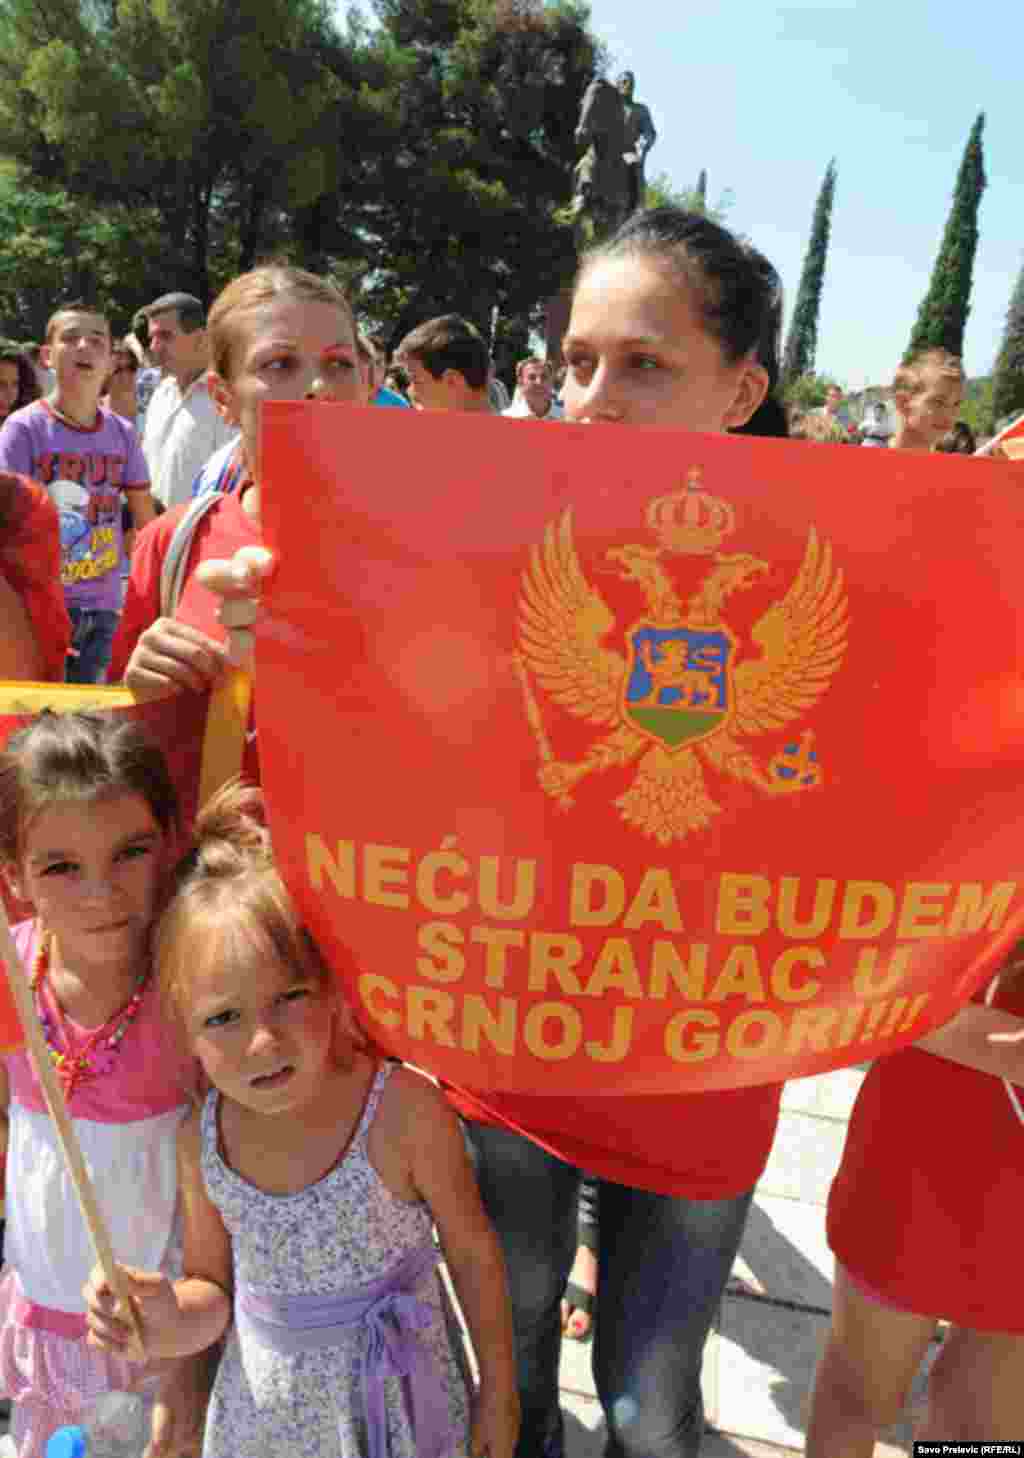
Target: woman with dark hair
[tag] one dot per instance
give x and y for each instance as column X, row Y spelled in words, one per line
column 19, row 384
column 670, row 325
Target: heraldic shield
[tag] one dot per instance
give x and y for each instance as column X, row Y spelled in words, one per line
column 679, row 683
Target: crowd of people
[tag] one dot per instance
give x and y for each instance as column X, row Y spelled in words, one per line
column 277, row 1183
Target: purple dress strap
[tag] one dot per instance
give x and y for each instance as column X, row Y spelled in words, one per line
column 391, row 1315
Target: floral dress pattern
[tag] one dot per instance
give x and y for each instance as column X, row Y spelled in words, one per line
column 341, row 1233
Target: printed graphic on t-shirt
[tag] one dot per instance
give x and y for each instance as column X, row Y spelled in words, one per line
column 86, row 489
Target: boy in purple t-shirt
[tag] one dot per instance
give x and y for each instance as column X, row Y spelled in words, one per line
column 85, row 456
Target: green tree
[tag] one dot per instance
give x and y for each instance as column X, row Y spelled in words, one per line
column 807, row 391
column 221, row 114
column 802, row 340
column 942, row 316
column 1008, row 373
column 56, row 248
column 662, row 193
column 478, row 103
column 976, row 407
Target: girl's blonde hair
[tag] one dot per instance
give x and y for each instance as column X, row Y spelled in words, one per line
column 229, row 888
column 255, row 289
column 909, row 378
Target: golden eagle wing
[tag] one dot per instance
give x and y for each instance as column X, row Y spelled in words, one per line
column 802, row 638
column 562, row 621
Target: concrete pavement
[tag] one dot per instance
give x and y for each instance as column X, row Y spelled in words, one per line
column 760, row 1357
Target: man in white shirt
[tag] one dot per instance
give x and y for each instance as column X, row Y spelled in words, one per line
column 183, row 427
column 535, row 393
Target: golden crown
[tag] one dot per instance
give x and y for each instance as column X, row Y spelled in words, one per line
column 690, row 520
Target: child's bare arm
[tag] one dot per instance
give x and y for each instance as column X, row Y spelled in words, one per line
column 187, row 1317
column 442, row 1174
column 141, row 506
column 983, row 1038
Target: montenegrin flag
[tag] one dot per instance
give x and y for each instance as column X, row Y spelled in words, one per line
column 632, row 761
column 201, row 736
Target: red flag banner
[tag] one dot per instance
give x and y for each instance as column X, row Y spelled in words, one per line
column 635, row 761
column 201, row 737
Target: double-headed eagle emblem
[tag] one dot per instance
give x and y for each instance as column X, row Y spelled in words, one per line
column 685, row 694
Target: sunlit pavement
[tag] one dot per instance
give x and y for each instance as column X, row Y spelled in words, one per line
column 760, row 1357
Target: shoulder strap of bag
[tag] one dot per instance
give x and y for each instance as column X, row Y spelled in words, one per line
column 172, row 573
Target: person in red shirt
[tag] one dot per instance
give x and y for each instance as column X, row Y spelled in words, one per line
column 276, row 333
column 923, row 1217
column 37, row 629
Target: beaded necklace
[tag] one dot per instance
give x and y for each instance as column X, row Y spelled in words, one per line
column 98, row 1053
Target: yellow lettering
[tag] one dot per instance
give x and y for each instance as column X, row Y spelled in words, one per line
column 655, row 901
column 618, row 1044
column 769, row 1040
column 667, row 966
column 587, row 880
column 790, row 924
column 740, row 977
column 444, row 862
column 568, row 1037
column 478, row 1021
column 615, row 970
column 811, row 1027
column 441, row 941
column 869, row 980
column 430, row 1010
column 554, row 954
column 682, row 1046
column 922, row 910
column 782, row 983
column 972, row 911
column 523, row 895
column 743, row 905
column 341, row 872
column 384, row 866
column 497, row 943
column 880, row 902
column 369, row 987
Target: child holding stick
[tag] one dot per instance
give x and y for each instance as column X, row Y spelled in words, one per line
column 87, row 815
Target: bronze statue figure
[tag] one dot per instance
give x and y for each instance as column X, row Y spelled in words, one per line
column 640, row 138
column 617, row 133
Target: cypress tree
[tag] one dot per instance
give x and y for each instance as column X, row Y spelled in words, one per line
column 942, row 317
column 702, row 188
column 802, row 340
column 1008, row 373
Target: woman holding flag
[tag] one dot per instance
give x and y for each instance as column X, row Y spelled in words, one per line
column 674, row 322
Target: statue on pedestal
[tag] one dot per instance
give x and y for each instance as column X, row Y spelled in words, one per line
column 640, row 138
column 617, row 132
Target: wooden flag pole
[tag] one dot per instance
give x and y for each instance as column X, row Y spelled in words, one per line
column 57, row 1105
column 227, row 720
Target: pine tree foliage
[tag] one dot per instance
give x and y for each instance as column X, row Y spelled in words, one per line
column 802, row 340
column 422, row 160
column 942, row 316
column 1008, row 374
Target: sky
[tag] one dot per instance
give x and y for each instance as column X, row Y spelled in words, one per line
column 763, row 95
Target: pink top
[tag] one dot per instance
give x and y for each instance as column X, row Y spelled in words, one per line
column 152, row 1075
column 126, row 1122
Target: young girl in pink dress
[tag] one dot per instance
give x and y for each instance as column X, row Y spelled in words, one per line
column 87, row 815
